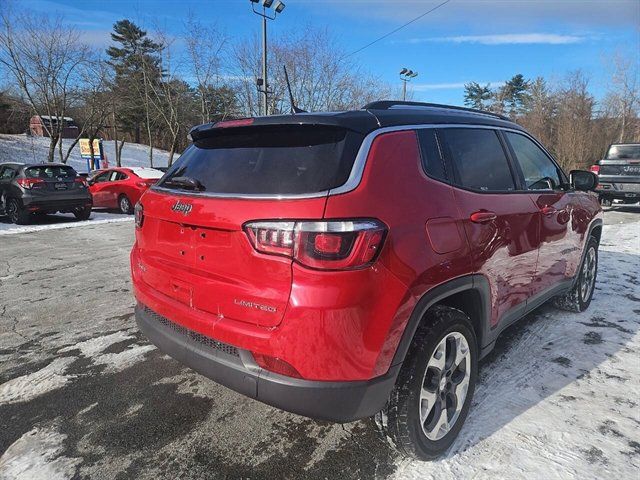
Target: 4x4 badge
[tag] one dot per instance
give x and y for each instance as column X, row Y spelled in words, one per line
column 185, row 208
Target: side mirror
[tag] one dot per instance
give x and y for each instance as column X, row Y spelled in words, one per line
column 583, row 181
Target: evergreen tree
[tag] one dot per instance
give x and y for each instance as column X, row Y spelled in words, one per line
column 475, row 95
column 516, row 95
column 136, row 61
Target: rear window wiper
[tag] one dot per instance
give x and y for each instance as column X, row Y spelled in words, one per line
column 184, row 182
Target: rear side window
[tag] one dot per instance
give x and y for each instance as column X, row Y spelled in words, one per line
column 50, row 171
column 6, row 173
column 623, row 152
column 277, row 159
column 431, row 159
column 540, row 173
column 478, row 159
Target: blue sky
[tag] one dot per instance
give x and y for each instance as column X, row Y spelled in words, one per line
column 487, row 41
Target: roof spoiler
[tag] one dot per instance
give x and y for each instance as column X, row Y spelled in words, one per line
column 388, row 104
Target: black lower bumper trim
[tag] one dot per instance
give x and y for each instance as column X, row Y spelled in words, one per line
column 334, row 401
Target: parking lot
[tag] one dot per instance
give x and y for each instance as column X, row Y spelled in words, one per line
column 83, row 394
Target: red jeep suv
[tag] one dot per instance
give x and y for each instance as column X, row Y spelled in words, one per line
column 341, row 265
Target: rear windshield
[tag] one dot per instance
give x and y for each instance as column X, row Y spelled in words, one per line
column 267, row 160
column 622, row 152
column 54, row 172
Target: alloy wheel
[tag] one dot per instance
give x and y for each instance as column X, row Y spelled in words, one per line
column 12, row 211
column 588, row 276
column 445, row 386
column 125, row 205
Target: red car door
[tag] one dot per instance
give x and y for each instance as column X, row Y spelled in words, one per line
column 98, row 186
column 500, row 222
column 560, row 213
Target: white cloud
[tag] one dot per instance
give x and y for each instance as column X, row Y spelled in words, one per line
column 508, row 39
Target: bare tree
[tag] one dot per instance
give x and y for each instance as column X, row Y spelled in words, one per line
column 44, row 55
column 540, row 112
column 205, row 45
column 321, row 78
column 622, row 101
column 574, row 147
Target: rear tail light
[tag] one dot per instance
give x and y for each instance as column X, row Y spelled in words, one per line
column 30, row 183
column 595, row 169
column 146, row 183
column 276, row 365
column 138, row 215
column 242, row 122
column 83, row 183
column 325, row 245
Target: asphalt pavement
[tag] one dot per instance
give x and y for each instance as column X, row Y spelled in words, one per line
column 83, row 394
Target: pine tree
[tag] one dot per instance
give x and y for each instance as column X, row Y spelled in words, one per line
column 136, row 61
column 475, row 95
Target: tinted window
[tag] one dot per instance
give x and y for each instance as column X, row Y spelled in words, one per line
column 50, row 171
column 6, row 173
column 479, row 159
column 431, row 158
column 268, row 160
column 102, row 177
column 119, row 176
column 622, row 152
column 540, row 173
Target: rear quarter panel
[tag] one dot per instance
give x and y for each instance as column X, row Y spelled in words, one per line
column 395, row 190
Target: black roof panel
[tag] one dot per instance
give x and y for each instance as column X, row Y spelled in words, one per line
column 389, row 114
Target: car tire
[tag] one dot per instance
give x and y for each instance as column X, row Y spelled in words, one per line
column 413, row 416
column 579, row 297
column 124, row 205
column 82, row 213
column 17, row 213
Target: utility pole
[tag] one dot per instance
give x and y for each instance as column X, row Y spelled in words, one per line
column 265, row 86
column 406, row 75
column 262, row 83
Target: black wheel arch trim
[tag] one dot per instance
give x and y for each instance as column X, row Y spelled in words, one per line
column 475, row 282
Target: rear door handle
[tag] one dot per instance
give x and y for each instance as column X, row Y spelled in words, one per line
column 483, row 217
column 548, row 210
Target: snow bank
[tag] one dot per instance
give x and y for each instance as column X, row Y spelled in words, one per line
column 23, row 148
column 61, row 221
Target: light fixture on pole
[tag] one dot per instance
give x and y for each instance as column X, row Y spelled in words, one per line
column 406, row 75
column 261, row 83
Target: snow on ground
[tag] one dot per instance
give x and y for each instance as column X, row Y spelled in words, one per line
column 60, row 220
column 561, row 398
column 36, row 456
column 28, row 387
column 27, row 149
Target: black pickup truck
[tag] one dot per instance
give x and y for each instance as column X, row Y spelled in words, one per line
column 619, row 174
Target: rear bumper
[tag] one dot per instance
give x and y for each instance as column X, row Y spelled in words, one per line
column 56, row 205
column 236, row 369
column 619, row 187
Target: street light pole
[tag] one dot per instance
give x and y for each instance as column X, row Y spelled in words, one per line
column 406, row 75
column 262, row 82
column 265, row 98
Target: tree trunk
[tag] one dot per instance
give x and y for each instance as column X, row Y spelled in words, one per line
column 53, row 140
column 119, row 153
column 92, row 164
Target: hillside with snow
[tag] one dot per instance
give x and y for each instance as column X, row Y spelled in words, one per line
column 27, row 149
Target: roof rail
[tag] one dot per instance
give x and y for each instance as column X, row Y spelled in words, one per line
column 387, row 104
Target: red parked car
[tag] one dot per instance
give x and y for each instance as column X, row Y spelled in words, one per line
column 121, row 187
column 341, row 265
